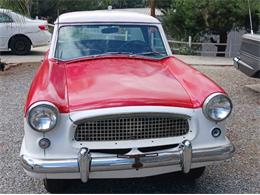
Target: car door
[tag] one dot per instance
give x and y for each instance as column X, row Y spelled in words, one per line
column 7, row 27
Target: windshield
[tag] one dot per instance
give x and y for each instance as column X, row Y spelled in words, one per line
column 90, row 40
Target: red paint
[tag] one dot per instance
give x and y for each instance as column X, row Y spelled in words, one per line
column 196, row 84
column 49, row 84
column 43, row 27
column 120, row 81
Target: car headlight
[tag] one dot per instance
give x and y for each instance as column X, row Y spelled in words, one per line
column 217, row 107
column 43, row 117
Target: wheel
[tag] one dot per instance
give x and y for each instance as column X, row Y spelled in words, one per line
column 20, row 45
column 193, row 174
column 55, row 185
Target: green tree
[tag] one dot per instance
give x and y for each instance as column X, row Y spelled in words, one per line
column 50, row 8
column 185, row 18
column 21, row 6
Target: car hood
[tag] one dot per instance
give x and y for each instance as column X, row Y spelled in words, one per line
column 119, row 81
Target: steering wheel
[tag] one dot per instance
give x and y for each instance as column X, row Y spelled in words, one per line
column 136, row 45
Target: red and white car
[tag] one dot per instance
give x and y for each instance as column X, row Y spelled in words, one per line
column 110, row 101
column 19, row 33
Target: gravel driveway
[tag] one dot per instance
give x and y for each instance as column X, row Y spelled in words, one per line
column 238, row 175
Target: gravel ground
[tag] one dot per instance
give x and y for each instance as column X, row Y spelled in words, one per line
column 238, row 175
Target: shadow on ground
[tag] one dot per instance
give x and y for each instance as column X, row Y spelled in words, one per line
column 150, row 185
column 32, row 53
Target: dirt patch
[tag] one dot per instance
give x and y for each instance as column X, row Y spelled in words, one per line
column 8, row 67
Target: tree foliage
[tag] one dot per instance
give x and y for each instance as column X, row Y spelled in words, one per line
column 185, row 18
column 21, row 6
column 127, row 3
column 49, row 8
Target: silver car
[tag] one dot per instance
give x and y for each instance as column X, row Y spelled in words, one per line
column 248, row 60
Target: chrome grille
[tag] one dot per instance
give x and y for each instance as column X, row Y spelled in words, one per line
column 131, row 127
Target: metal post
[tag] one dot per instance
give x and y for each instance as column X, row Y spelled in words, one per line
column 189, row 41
column 250, row 18
column 230, row 47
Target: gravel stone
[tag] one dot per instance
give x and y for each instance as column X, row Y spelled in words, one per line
column 237, row 175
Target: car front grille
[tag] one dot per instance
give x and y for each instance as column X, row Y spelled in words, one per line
column 131, row 127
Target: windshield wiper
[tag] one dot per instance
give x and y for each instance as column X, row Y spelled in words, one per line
column 99, row 55
column 112, row 53
column 149, row 53
column 131, row 54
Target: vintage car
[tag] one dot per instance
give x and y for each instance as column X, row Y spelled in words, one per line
column 248, row 60
column 110, row 101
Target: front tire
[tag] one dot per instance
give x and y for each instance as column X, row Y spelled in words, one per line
column 20, row 45
column 55, row 186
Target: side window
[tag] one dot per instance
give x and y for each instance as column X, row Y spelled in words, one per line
column 5, row 18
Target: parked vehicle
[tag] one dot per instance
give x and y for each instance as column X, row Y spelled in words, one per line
column 248, row 60
column 110, row 101
column 20, row 33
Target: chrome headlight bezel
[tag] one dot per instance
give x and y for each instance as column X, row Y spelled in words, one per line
column 47, row 106
column 212, row 97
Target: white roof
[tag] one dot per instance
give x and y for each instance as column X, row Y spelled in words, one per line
column 106, row 16
column 146, row 11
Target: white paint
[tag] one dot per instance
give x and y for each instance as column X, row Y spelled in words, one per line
column 22, row 26
column 63, row 145
column 105, row 16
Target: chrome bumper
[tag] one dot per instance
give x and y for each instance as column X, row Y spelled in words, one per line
column 249, row 68
column 238, row 63
column 183, row 156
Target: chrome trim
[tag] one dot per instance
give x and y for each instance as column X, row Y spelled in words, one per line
column 133, row 126
column 132, row 114
column 236, row 59
column 183, row 156
column 41, row 103
column 240, row 62
column 186, row 152
column 46, row 104
column 84, row 160
column 50, row 165
column 204, row 107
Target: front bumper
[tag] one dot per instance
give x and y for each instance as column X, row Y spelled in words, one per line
column 250, row 69
column 183, row 156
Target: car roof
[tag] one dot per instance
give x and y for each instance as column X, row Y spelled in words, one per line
column 106, row 16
